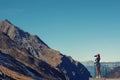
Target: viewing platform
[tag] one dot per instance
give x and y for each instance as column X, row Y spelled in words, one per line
column 104, row 79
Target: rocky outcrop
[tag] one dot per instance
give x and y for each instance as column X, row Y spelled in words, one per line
column 18, row 59
column 32, row 50
column 7, row 74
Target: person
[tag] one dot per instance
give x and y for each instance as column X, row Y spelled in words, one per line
column 97, row 66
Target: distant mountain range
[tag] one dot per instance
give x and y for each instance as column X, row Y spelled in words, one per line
column 28, row 57
column 114, row 73
column 108, row 69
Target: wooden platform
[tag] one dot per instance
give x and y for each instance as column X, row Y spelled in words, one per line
column 103, row 79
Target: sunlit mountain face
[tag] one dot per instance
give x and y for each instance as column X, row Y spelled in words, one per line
column 27, row 55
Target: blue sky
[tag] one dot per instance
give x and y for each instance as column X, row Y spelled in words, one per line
column 77, row 28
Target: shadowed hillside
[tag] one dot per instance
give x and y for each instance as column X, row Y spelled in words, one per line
column 6, row 74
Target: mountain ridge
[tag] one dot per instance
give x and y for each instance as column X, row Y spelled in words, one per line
column 30, row 49
column 24, row 63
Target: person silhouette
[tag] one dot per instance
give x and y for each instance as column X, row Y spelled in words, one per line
column 97, row 66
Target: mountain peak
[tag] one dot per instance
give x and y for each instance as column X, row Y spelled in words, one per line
column 22, row 38
column 7, row 21
column 7, row 27
column 32, row 51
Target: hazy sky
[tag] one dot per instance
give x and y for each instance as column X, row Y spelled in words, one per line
column 77, row 28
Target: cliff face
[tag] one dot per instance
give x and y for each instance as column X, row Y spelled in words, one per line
column 32, row 52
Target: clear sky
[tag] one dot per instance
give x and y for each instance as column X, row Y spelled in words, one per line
column 77, row 28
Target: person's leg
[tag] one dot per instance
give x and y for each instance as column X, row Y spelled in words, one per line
column 97, row 73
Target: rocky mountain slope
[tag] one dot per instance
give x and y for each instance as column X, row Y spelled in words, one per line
column 29, row 55
column 18, row 59
column 8, row 74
